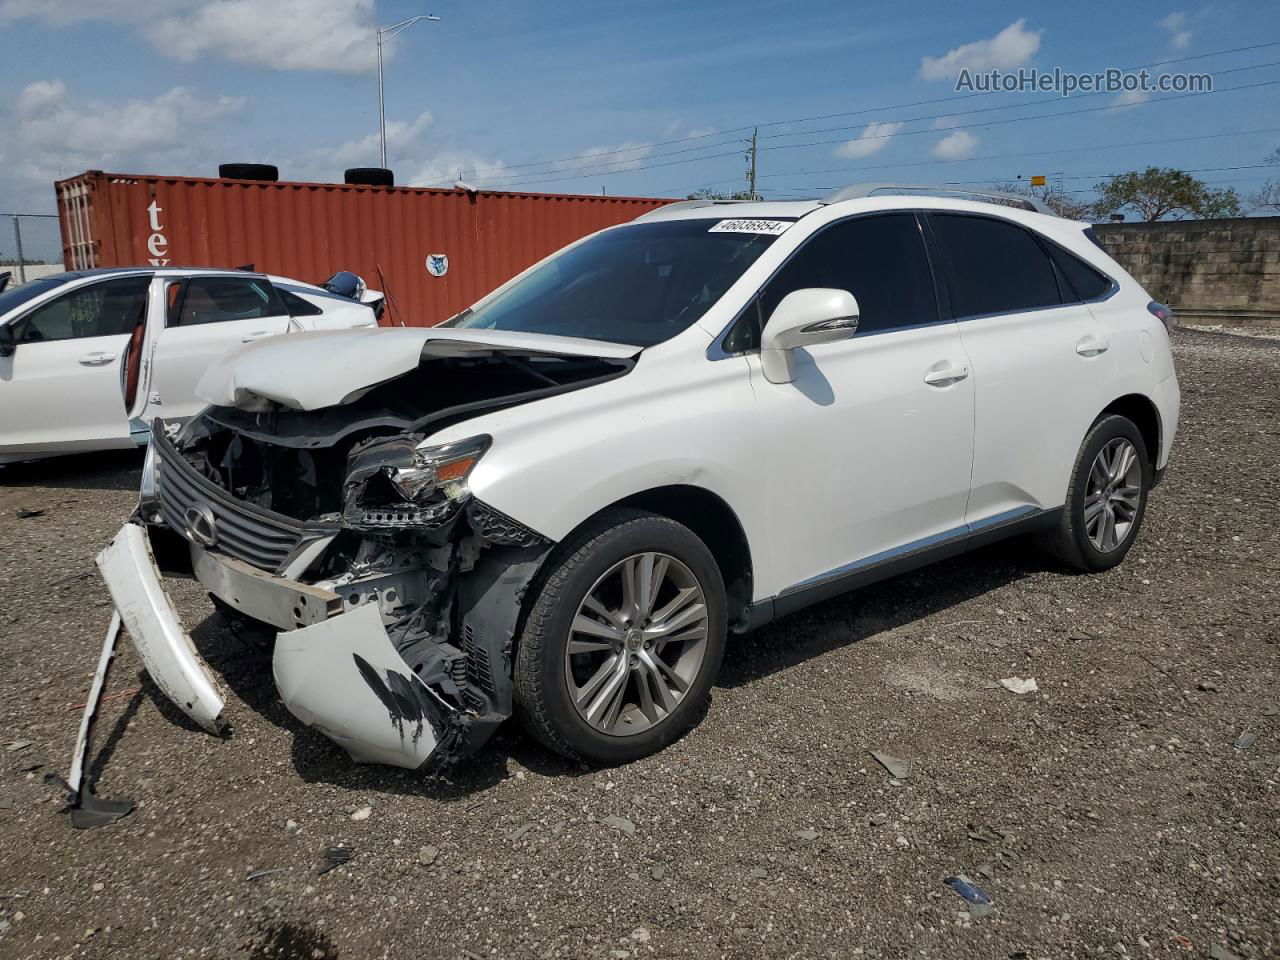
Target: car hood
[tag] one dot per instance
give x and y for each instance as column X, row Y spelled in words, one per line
column 310, row 371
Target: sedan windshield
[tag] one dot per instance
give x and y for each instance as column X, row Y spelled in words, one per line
column 639, row 284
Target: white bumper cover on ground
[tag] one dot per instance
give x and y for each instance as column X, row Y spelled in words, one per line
column 341, row 675
column 130, row 571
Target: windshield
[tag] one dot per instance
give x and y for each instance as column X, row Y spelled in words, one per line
column 17, row 296
column 639, row 284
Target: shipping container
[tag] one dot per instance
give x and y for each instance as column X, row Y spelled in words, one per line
column 433, row 251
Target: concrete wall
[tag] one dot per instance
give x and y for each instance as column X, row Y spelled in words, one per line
column 1212, row 272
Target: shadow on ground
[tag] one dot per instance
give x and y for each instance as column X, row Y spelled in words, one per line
column 240, row 653
column 101, row 470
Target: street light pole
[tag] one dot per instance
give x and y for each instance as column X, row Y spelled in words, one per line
column 390, row 34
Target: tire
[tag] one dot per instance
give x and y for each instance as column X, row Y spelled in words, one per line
column 370, row 176
column 1074, row 540
column 249, row 171
column 594, row 561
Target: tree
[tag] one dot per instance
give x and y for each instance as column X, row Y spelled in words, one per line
column 1061, row 202
column 1164, row 192
column 1268, row 198
column 706, row 193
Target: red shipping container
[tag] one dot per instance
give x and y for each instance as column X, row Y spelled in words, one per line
column 308, row 231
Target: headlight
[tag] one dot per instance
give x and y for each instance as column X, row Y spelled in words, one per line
column 148, row 496
column 444, row 468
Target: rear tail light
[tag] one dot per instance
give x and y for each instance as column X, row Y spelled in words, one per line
column 1161, row 312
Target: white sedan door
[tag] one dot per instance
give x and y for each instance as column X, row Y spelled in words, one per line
column 1040, row 362
column 61, row 389
column 207, row 316
column 869, row 449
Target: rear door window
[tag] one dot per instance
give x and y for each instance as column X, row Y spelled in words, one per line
column 994, row 266
column 224, row 299
column 103, row 309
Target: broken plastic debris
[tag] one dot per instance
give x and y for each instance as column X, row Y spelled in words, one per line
column 807, row 834
column 1020, row 685
column 24, row 514
column 336, row 857
column 967, row 889
column 898, row 769
column 258, row 874
column 1245, row 740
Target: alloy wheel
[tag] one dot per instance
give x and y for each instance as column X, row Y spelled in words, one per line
column 636, row 644
column 1113, row 496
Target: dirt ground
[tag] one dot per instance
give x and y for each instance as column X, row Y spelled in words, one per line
column 1114, row 812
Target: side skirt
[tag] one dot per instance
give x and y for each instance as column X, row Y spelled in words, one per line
column 902, row 559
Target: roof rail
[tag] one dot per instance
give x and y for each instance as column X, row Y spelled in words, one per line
column 687, row 205
column 859, row 190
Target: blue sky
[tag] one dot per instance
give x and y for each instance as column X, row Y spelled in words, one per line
column 507, row 92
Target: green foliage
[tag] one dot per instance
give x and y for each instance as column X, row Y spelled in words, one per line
column 706, row 193
column 1155, row 193
column 1062, row 203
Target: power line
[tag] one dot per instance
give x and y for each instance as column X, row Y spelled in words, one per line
column 859, row 112
column 814, row 143
column 1002, row 156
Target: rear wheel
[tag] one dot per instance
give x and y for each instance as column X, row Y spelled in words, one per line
column 1107, row 498
column 623, row 640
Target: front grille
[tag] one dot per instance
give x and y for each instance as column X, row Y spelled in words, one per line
column 244, row 531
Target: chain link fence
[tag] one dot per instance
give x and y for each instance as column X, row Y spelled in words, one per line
column 30, row 246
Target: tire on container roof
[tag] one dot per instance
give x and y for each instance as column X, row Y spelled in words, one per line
column 248, row 171
column 370, row 176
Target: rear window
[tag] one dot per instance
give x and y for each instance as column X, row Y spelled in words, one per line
column 994, row 266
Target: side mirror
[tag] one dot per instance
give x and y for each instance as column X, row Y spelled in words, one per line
column 8, row 342
column 803, row 318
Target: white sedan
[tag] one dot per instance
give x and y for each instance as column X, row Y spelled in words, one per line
column 89, row 358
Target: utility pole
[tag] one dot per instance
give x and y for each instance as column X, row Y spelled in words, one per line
column 751, row 170
column 391, row 33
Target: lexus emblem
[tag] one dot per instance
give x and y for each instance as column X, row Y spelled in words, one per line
column 201, row 525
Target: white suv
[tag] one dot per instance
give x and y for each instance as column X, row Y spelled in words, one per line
column 558, row 503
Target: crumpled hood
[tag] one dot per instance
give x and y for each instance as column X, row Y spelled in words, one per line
column 309, row 371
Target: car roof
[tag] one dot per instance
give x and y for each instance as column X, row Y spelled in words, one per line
column 851, row 200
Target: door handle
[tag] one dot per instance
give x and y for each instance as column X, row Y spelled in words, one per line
column 946, row 376
column 256, row 335
column 96, row 359
column 1091, row 346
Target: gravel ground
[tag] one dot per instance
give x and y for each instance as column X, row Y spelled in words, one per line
column 1110, row 813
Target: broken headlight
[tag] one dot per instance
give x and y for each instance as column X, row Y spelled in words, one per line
column 442, row 468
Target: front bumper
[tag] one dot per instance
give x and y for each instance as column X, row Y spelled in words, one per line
column 336, row 671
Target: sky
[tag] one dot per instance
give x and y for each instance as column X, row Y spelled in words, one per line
column 640, row 99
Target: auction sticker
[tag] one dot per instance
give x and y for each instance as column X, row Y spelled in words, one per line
column 750, row 225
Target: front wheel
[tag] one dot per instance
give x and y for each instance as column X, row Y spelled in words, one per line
column 1106, row 500
column 622, row 641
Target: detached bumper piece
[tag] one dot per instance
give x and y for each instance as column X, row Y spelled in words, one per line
column 132, row 578
column 344, row 678
column 337, row 672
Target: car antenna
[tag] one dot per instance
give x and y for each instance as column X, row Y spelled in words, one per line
column 382, row 280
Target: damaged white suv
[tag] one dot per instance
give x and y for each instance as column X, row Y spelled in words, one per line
column 557, row 503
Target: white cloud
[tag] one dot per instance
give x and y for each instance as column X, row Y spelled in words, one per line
column 364, row 152
column 624, row 156
column 443, row 168
column 1011, row 47
column 282, row 34
column 1175, row 25
column 873, row 138
column 55, row 136
column 956, row 146
column 1129, row 98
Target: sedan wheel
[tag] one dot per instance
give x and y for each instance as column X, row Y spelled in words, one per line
column 636, row 644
